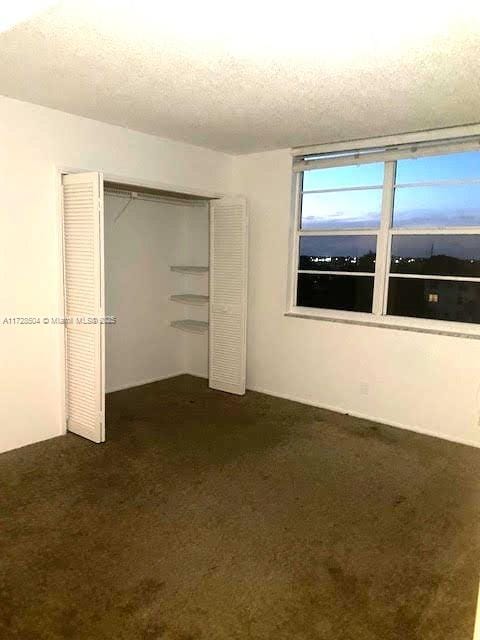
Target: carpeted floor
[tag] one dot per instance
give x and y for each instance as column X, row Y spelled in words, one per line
column 209, row 516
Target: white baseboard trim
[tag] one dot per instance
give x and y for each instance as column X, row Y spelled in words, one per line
column 363, row 416
column 140, row 383
column 195, row 374
column 20, row 445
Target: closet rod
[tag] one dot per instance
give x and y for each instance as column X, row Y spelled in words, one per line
column 154, row 198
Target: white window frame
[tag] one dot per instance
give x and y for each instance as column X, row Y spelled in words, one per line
column 391, row 149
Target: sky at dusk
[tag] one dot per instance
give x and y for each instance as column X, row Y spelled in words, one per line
column 429, row 206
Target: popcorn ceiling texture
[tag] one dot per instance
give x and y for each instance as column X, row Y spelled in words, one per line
column 247, row 77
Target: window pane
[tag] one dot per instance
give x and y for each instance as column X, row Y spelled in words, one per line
column 448, row 206
column 338, row 253
column 342, row 210
column 363, row 175
column 439, row 255
column 348, row 293
column 454, row 166
column 437, row 299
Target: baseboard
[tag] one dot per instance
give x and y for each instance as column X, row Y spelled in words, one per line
column 20, row 445
column 195, row 374
column 140, row 383
column 363, row 416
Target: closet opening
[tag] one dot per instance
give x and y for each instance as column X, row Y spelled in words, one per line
column 155, row 287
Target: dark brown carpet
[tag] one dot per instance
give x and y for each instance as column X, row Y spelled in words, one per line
column 209, row 516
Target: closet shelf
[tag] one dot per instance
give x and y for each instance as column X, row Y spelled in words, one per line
column 193, row 326
column 190, row 298
column 188, row 269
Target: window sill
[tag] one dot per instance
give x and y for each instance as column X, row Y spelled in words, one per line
column 436, row 327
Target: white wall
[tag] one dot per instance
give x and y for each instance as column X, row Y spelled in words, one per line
column 418, row 381
column 34, row 142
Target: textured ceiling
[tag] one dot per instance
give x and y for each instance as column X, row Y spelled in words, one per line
column 251, row 75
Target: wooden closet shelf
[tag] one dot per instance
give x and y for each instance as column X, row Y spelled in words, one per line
column 192, row 326
column 189, row 269
column 189, row 298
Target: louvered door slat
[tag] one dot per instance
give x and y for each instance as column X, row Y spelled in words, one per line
column 84, row 299
column 228, row 295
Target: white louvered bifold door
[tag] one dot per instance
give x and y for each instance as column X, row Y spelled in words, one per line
column 228, row 294
column 84, row 304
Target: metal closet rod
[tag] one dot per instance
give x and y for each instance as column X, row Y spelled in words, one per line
column 147, row 197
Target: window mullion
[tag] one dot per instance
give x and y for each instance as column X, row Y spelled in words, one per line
column 383, row 240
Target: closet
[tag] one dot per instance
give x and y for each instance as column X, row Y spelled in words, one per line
column 155, row 286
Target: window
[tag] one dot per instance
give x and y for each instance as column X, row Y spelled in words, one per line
column 390, row 232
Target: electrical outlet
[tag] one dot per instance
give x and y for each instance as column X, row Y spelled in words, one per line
column 364, row 388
